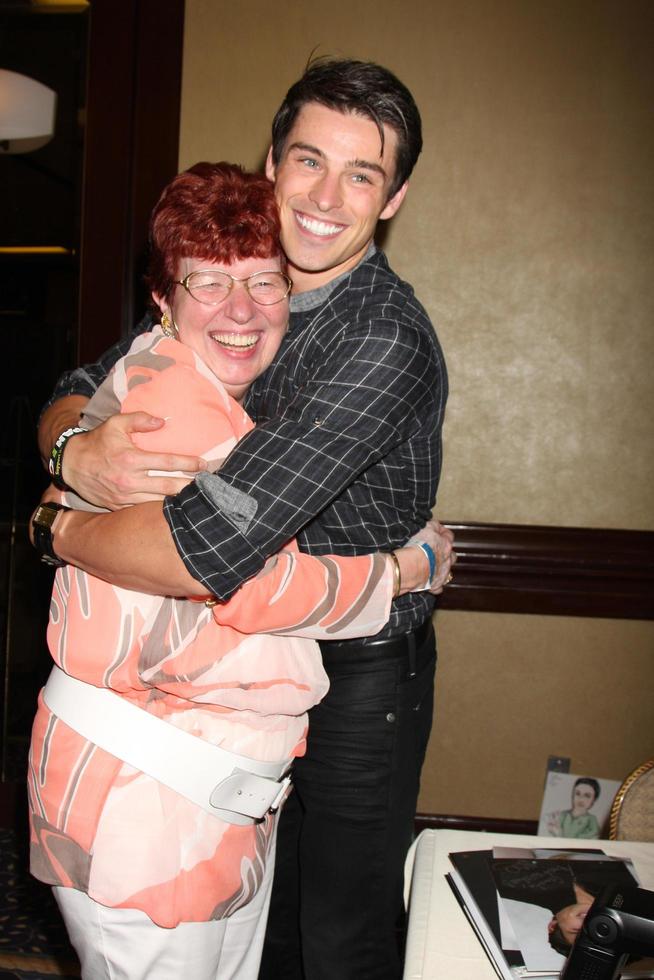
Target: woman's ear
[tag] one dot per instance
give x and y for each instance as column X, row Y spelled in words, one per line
column 167, row 320
column 165, row 311
column 160, row 302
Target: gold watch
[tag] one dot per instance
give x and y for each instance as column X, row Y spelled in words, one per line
column 44, row 518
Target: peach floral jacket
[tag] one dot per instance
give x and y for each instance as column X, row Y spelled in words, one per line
column 242, row 674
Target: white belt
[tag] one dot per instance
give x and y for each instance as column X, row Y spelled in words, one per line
column 233, row 787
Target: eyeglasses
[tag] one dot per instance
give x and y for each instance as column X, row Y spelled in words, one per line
column 211, row 288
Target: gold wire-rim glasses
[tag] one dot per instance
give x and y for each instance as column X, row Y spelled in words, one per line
column 228, row 282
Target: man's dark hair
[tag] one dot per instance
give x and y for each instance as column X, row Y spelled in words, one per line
column 558, row 941
column 588, row 781
column 360, row 87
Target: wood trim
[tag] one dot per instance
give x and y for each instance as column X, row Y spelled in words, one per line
column 131, row 150
column 492, row 825
column 552, row 571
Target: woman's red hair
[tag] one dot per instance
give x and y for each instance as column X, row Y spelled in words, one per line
column 213, row 211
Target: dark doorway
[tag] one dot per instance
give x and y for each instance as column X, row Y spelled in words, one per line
column 73, row 228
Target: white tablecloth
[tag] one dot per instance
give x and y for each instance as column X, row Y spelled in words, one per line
column 441, row 945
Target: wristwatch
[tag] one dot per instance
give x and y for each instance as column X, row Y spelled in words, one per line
column 42, row 522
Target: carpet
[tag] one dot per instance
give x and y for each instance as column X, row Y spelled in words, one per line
column 33, row 940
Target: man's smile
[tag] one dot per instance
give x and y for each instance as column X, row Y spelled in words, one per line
column 322, row 228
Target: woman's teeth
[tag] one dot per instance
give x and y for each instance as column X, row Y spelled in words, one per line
column 235, row 339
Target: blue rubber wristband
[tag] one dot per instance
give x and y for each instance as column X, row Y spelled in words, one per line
column 431, row 557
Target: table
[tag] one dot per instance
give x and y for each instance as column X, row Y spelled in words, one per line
column 441, row 945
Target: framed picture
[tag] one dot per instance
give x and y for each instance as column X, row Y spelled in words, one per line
column 576, row 806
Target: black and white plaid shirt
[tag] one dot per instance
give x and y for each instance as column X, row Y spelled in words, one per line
column 347, row 450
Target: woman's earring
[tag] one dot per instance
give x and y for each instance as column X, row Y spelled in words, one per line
column 168, row 326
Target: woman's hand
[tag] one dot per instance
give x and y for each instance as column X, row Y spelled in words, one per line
column 414, row 564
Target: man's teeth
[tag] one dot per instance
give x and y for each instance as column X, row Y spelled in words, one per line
column 317, row 227
column 235, row 339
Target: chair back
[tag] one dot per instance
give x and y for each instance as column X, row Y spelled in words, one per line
column 632, row 813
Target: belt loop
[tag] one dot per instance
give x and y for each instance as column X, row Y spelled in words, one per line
column 411, row 643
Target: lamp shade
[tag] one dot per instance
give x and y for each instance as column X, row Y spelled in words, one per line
column 27, row 113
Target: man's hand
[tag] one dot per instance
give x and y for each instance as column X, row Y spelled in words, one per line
column 441, row 539
column 105, row 467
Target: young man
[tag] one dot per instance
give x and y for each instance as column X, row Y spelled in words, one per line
column 346, row 452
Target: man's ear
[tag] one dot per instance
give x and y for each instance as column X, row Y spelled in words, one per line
column 270, row 166
column 393, row 203
column 551, row 925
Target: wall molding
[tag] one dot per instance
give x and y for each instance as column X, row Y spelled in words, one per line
column 552, row 571
column 491, row 825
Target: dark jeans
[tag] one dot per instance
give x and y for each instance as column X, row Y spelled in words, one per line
column 343, row 836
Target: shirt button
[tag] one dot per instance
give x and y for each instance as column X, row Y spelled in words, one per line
column 390, row 716
column 317, row 421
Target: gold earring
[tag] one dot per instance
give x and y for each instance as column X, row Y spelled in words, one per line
column 169, row 326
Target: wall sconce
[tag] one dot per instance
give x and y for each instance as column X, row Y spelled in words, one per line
column 27, row 113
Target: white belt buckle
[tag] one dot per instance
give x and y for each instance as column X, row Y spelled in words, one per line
column 285, row 787
column 243, row 796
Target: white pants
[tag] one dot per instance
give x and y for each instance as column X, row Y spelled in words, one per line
column 124, row 944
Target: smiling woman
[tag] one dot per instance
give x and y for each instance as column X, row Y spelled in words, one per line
column 231, row 314
column 222, row 284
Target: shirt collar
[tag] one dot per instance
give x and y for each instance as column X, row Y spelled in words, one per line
column 300, row 302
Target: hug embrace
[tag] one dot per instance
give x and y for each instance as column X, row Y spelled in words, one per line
column 242, row 523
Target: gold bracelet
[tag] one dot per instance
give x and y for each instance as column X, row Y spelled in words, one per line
column 397, row 574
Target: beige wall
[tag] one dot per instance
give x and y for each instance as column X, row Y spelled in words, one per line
column 512, row 690
column 528, row 234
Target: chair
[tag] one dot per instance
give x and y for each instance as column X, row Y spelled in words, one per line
column 632, row 813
